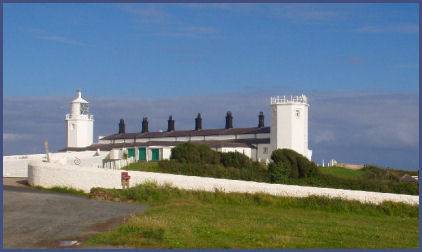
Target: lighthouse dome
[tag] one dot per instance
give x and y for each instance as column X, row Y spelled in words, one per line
column 79, row 98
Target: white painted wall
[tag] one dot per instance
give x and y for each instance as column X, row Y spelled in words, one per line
column 17, row 165
column 221, row 137
column 166, row 152
column 245, row 151
column 263, row 152
column 245, row 136
column 197, row 138
column 84, row 178
column 289, row 130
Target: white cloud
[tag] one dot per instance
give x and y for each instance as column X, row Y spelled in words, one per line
column 43, row 35
column 390, row 28
column 13, row 137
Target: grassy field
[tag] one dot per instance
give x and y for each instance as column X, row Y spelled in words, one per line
column 342, row 172
column 189, row 219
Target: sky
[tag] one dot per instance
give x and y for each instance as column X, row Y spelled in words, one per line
column 358, row 63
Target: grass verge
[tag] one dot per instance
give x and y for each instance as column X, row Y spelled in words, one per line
column 196, row 219
column 61, row 189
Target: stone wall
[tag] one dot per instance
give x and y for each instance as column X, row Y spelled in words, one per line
column 50, row 174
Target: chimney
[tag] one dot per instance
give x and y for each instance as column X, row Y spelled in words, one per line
column 122, row 126
column 170, row 124
column 198, row 122
column 261, row 120
column 229, row 120
column 144, row 124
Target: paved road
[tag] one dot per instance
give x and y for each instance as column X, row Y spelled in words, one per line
column 36, row 219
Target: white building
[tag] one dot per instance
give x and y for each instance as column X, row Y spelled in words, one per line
column 79, row 124
column 289, row 124
column 289, row 129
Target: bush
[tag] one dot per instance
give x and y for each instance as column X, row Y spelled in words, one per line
column 195, row 153
column 235, row 159
column 288, row 163
column 185, row 153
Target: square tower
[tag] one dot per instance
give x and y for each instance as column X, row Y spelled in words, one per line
column 79, row 124
column 289, row 124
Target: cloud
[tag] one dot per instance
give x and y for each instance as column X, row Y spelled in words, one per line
column 190, row 31
column 147, row 13
column 390, row 28
column 43, row 35
column 381, row 128
column 12, row 137
column 290, row 12
column 165, row 24
column 305, row 13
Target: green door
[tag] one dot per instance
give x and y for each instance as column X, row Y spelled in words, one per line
column 131, row 152
column 155, row 154
column 142, row 154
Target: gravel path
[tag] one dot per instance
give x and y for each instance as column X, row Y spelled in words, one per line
column 37, row 219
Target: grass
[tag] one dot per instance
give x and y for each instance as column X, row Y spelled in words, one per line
column 194, row 219
column 61, row 189
column 342, row 172
column 151, row 166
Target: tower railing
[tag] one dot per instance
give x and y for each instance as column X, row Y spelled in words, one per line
column 289, row 99
column 81, row 116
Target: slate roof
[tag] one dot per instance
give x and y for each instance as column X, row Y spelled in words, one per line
column 187, row 133
column 245, row 143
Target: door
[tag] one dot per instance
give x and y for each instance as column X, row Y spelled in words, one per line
column 155, row 154
column 131, row 152
column 142, row 154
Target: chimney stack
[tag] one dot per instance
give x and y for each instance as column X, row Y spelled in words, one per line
column 198, row 122
column 122, row 126
column 261, row 120
column 144, row 124
column 229, row 120
column 170, row 124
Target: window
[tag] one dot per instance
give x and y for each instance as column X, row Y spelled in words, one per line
column 297, row 113
column 84, row 109
column 265, row 150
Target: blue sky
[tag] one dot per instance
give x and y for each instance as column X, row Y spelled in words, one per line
column 358, row 63
column 160, row 50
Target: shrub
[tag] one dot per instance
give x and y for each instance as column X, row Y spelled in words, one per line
column 288, row 163
column 235, row 159
column 194, row 153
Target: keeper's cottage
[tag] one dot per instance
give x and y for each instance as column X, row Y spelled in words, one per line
column 288, row 129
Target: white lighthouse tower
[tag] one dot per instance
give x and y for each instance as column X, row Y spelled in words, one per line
column 289, row 124
column 79, row 123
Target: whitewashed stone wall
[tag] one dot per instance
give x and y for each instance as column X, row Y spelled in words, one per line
column 84, row 178
column 17, row 165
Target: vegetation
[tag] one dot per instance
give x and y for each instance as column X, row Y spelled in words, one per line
column 61, row 189
column 286, row 167
column 287, row 164
column 195, row 219
column 151, row 166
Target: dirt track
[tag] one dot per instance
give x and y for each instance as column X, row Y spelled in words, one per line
column 37, row 219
